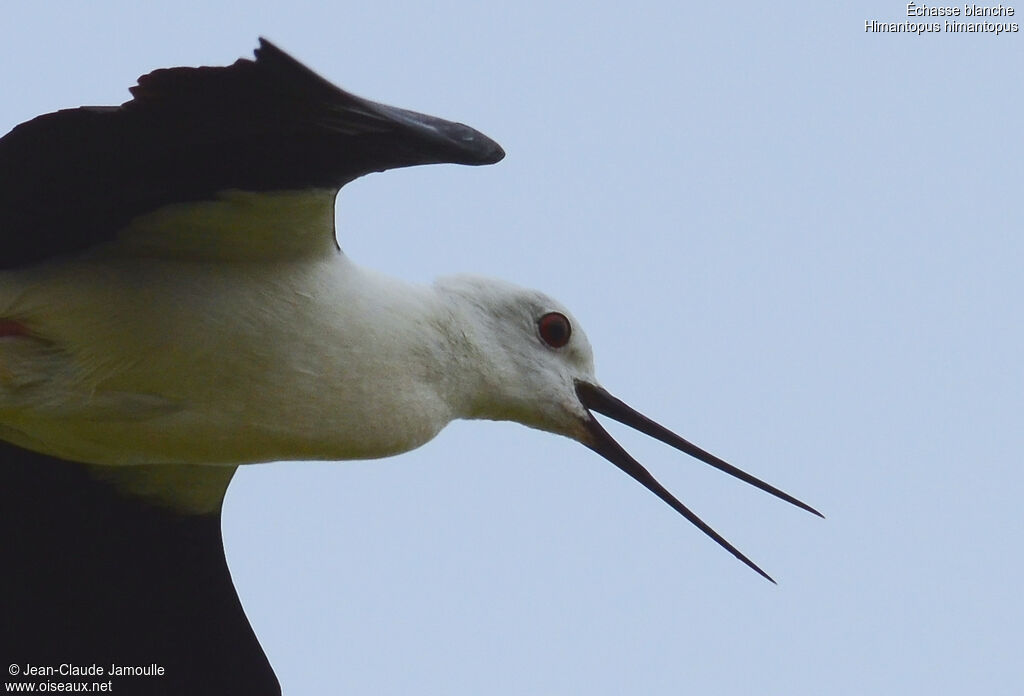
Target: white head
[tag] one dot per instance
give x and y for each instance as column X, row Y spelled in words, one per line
column 526, row 359
column 525, row 353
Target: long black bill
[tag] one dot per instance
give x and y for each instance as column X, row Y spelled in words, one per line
column 597, row 399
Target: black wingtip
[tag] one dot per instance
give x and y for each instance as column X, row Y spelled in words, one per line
column 494, row 154
column 438, row 140
column 476, row 148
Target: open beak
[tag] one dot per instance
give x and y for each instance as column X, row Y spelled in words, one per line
column 595, row 398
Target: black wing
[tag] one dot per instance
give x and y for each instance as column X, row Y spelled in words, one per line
column 71, row 179
column 92, row 576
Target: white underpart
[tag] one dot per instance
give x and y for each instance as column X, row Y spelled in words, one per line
column 235, row 332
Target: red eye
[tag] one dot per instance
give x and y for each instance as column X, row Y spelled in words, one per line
column 554, row 329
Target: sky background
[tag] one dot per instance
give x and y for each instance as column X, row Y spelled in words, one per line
column 793, row 242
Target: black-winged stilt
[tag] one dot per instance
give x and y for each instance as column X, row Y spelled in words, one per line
column 173, row 303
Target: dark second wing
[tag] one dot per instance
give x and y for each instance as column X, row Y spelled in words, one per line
column 94, row 576
column 71, row 179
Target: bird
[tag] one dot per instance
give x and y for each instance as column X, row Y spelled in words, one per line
column 174, row 303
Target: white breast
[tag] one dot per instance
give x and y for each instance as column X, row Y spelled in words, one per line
column 156, row 360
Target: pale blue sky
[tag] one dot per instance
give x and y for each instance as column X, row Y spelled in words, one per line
column 795, row 243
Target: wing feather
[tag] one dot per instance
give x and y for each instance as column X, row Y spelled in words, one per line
column 71, row 179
